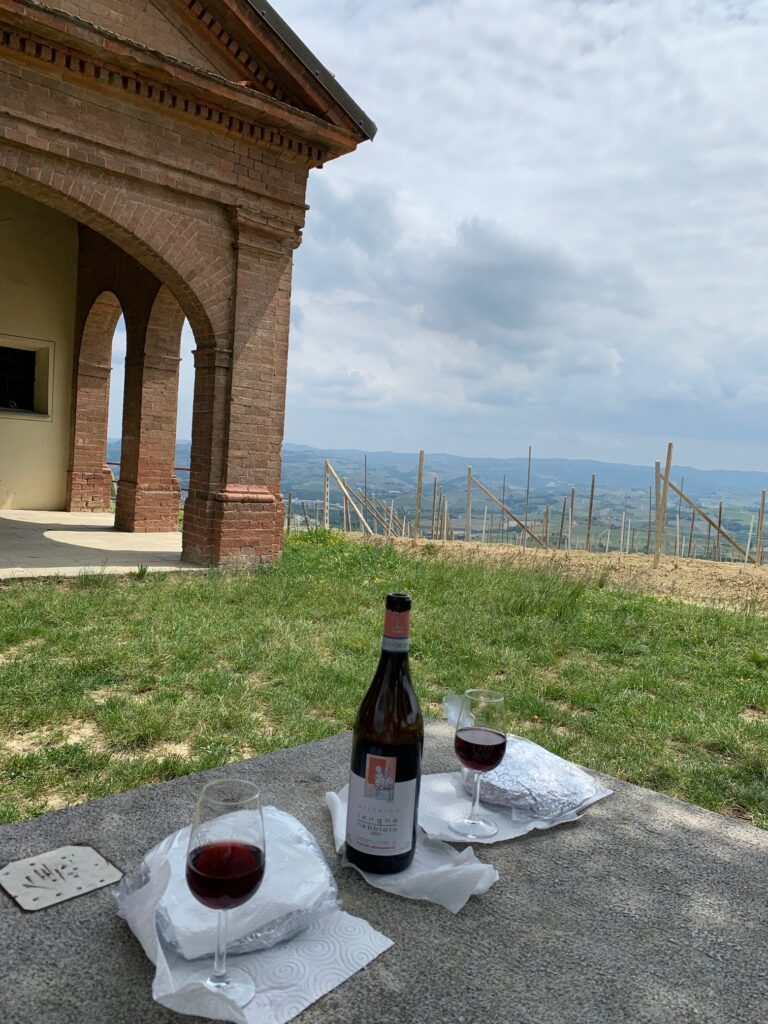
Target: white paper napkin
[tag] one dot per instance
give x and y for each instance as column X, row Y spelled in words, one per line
column 288, row 977
column 443, row 798
column 438, row 874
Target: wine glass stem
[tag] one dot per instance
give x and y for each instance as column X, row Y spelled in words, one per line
column 475, row 812
column 220, row 962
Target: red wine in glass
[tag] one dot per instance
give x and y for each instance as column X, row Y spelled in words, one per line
column 225, row 874
column 226, row 857
column 480, row 743
column 480, row 749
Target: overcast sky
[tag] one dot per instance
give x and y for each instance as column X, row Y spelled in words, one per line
column 558, row 237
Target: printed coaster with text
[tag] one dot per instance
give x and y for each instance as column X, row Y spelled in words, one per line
column 58, row 875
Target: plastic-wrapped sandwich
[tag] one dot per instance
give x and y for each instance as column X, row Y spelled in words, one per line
column 298, row 888
column 533, row 780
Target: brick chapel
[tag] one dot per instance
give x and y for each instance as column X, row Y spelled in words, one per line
column 154, row 157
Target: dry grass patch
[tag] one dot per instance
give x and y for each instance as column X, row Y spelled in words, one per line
column 565, row 705
column 169, row 748
column 87, row 735
column 753, row 714
column 76, row 731
column 58, row 801
column 16, row 652
column 102, row 696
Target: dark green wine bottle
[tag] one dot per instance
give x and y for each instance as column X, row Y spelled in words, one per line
column 387, row 742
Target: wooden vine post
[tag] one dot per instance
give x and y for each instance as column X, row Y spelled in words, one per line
column 326, row 497
column 347, row 522
column 658, row 502
column 527, row 496
column 661, row 513
column 749, row 539
column 588, row 538
column 562, row 524
column 419, row 488
column 468, row 513
column 760, row 525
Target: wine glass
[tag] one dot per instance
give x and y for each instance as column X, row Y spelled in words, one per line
column 225, row 866
column 480, row 742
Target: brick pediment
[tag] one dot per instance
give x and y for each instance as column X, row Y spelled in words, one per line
column 232, row 39
column 313, row 123
column 158, row 26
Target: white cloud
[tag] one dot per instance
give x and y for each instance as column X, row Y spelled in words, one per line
column 563, row 221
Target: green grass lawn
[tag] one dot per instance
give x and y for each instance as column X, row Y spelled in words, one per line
column 110, row 683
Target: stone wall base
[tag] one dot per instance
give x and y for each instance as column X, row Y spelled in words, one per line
column 238, row 527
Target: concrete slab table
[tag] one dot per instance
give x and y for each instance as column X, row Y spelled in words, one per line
column 648, row 910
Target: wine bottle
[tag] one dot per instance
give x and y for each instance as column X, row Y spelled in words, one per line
column 387, row 742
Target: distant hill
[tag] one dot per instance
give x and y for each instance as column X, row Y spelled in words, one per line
column 394, row 474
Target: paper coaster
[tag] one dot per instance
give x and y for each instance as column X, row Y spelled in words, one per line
column 40, row 882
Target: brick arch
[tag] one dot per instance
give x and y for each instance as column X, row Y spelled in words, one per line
column 148, row 493
column 186, row 245
column 164, row 328
column 89, row 481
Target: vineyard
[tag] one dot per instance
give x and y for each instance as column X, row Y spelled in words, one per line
column 668, row 521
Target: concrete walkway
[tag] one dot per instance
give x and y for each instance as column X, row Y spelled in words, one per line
column 647, row 911
column 67, row 544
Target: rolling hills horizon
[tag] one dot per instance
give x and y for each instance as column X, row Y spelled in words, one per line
column 391, row 472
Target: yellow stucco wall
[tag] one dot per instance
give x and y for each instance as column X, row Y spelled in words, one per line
column 38, row 278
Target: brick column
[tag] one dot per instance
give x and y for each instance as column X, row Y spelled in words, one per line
column 234, row 513
column 89, row 480
column 148, row 492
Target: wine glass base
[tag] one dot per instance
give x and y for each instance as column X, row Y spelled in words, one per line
column 473, row 828
column 237, row 985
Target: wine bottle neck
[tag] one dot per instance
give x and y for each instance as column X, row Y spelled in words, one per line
column 396, row 632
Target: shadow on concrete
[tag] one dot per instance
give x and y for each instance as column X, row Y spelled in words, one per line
column 42, row 543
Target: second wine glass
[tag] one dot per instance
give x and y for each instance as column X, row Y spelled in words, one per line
column 480, row 744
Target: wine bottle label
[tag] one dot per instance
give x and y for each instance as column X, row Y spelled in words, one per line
column 380, row 811
column 398, row 644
